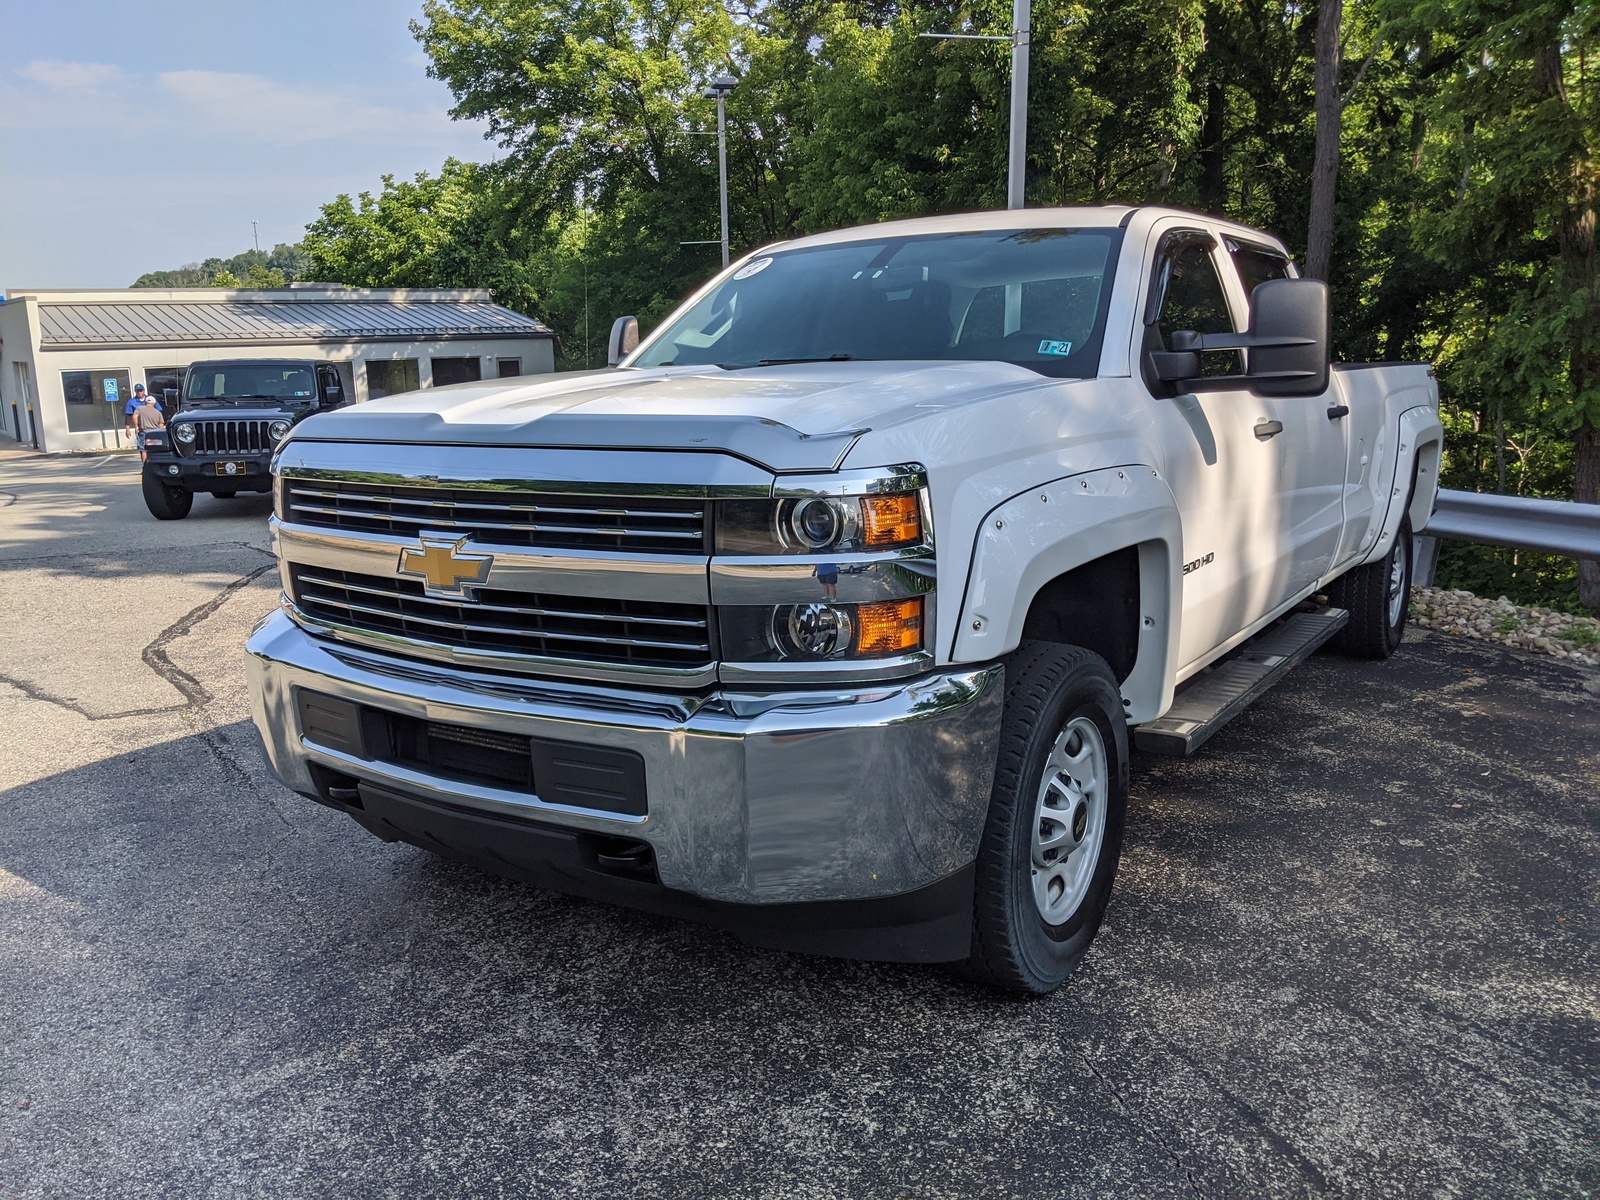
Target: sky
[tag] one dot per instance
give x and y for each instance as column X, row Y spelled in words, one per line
column 141, row 136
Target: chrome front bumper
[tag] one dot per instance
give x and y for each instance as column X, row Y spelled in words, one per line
column 754, row 798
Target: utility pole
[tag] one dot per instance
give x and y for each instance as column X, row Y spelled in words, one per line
column 1021, row 34
column 718, row 90
column 1016, row 176
column 255, row 236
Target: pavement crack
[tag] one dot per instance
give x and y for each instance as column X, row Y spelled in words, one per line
column 155, row 657
column 155, row 654
column 1260, row 1124
column 1153, row 1127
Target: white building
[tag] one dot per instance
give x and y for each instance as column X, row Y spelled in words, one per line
column 69, row 359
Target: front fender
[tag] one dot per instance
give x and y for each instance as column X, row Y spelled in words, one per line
column 1030, row 539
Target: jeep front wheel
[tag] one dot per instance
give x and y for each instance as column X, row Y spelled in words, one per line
column 1054, row 831
column 165, row 502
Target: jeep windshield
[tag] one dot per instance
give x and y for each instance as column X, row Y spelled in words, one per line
column 212, row 384
column 1034, row 297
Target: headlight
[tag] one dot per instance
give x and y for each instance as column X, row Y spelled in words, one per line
column 820, row 524
column 183, row 432
column 817, row 631
column 277, row 431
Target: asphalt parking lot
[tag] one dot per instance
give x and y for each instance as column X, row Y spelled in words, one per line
column 1352, row 951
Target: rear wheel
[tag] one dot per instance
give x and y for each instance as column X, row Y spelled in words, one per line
column 165, row 502
column 1054, row 833
column 1378, row 597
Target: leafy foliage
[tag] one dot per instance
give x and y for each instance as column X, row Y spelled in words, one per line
column 1465, row 209
column 252, row 269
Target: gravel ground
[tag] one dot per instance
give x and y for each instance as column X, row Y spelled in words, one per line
column 1541, row 630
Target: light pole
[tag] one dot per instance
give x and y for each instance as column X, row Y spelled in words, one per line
column 718, row 90
column 1021, row 33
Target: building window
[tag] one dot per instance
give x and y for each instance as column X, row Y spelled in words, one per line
column 392, row 377
column 95, row 399
column 456, row 370
column 510, row 367
column 157, row 380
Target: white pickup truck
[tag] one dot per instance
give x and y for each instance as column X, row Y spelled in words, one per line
column 831, row 615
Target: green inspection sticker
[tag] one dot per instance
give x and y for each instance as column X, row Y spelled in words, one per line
column 1058, row 348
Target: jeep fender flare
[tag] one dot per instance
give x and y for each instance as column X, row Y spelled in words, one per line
column 1040, row 534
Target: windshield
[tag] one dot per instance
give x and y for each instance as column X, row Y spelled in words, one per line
column 233, row 381
column 1036, row 297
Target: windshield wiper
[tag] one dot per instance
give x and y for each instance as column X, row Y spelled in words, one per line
column 784, row 362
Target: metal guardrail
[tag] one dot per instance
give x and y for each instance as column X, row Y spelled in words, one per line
column 1548, row 526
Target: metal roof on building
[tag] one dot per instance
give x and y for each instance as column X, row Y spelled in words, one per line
column 86, row 324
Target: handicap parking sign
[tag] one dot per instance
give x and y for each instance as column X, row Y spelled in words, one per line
column 111, row 390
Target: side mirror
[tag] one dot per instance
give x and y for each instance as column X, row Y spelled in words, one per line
column 169, row 395
column 624, row 339
column 333, row 395
column 1287, row 344
column 1289, row 321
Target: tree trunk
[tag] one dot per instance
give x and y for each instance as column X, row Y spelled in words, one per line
column 1580, row 269
column 1213, row 193
column 1325, row 166
column 1586, row 490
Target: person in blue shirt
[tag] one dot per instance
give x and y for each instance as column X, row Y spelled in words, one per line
column 134, row 401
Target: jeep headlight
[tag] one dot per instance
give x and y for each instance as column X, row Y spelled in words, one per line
column 277, row 431
column 183, row 433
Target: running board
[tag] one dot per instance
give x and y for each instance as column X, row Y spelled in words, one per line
column 1228, row 690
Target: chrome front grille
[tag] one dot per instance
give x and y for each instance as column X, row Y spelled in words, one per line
column 504, row 518
column 641, row 633
column 228, row 437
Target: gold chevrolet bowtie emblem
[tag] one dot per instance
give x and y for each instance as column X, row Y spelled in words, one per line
column 444, row 565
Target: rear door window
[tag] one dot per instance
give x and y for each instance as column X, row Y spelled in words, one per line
column 1256, row 264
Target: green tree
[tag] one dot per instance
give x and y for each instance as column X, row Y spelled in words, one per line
column 464, row 227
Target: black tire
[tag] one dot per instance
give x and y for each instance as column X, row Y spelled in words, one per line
column 225, row 495
column 165, row 502
column 1377, row 621
column 1052, row 691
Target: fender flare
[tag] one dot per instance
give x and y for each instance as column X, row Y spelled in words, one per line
column 1042, row 533
column 1414, row 486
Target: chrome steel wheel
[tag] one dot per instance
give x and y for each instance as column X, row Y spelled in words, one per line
column 1397, row 582
column 1070, row 820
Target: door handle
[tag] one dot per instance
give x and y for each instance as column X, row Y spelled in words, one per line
column 1268, row 429
column 1337, row 411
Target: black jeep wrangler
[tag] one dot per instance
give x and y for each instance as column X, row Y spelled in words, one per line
column 232, row 414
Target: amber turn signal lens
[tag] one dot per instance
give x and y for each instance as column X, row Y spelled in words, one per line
column 890, row 520
column 891, row 628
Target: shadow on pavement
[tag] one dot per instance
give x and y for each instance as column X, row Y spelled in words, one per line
column 1351, row 951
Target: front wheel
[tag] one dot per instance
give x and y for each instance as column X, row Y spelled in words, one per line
column 1054, row 832
column 1378, row 597
column 165, row 502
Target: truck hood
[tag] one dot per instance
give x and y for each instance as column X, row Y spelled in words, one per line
column 803, row 417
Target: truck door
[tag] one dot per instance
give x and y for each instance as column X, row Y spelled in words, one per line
column 1310, row 451
column 1223, row 474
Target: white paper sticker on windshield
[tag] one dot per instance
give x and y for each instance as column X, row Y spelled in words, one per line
column 752, row 268
column 1061, row 348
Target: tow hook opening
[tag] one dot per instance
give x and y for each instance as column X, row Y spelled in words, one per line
column 627, row 857
column 335, row 788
